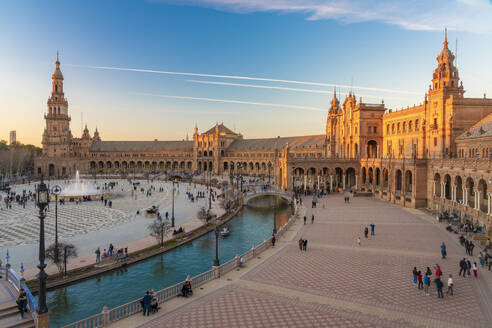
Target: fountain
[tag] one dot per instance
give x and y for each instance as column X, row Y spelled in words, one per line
column 79, row 189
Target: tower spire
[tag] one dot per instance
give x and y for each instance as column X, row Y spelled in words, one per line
column 445, row 38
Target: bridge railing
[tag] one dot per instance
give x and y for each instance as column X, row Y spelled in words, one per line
column 17, row 282
column 109, row 316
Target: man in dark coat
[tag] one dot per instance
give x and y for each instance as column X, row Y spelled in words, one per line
column 147, row 299
column 463, row 267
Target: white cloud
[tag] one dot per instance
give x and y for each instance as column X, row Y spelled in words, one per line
column 465, row 15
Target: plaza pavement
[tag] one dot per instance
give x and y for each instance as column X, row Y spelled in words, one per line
column 337, row 283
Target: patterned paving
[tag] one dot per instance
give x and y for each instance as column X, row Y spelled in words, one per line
column 336, row 283
column 239, row 307
column 21, row 225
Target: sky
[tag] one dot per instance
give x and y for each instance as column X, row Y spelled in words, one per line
column 144, row 70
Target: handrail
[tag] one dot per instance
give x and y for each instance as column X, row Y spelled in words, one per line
column 13, row 278
column 128, row 309
column 31, row 301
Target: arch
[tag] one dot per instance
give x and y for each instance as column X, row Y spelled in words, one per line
column 132, row 164
column 338, row 176
column 470, row 184
column 378, row 176
column 139, row 164
column 116, row 165
column 226, row 166
column 199, row 166
column 222, row 153
column 447, row 186
column 51, row 170
column 398, row 180
column 168, row 165
column 263, row 166
column 109, row 165
column 205, row 165
column 204, row 154
column 385, row 178
column 147, row 164
column 437, row 184
column 161, row 165
column 372, row 149
column 189, row 165
column 257, row 167
column 364, row 174
column 124, row 165
column 350, row 178
column 210, row 154
column 458, row 182
column 482, row 188
column 182, row 165
column 251, row 166
column 101, row 164
column 370, row 175
column 92, row 165
column 408, row 182
column 175, row 165
column 210, row 166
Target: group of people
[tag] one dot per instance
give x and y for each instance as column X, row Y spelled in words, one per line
column 312, row 219
column 303, row 244
column 366, row 233
column 466, row 268
column 468, row 244
column 149, row 303
column 120, row 253
column 423, row 281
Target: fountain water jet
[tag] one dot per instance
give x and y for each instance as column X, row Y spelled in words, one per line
column 79, row 189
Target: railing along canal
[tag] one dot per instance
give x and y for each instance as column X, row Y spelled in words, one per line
column 107, row 316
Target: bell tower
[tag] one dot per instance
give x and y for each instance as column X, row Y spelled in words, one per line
column 57, row 136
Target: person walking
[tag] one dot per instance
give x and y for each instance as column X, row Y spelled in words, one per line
column 468, row 267
column 463, row 267
column 439, row 286
column 366, row 232
column 426, row 284
column 273, row 240
column 428, row 272
column 301, row 242
column 438, row 271
column 304, row 245
column 450, row 285
column 475, row 270
column 471, row 246
column 443, row 250
column 415, row 272
column 312, row 219
column 305, row 218
column 372, row 229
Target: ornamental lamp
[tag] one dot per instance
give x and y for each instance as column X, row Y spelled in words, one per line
column 42, row 197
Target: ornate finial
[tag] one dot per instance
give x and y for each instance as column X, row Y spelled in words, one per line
column 57, row 56
column 445, row 38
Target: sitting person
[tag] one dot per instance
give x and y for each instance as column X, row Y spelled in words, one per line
column 186, row 289
column 154, row 303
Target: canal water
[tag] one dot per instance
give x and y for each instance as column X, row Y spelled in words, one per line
column 250, row 227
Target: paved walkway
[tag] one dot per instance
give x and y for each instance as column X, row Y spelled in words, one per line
column 337, row 283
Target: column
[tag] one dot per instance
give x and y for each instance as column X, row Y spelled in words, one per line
column 434, row 188
column 453, row 195
column 356, row 181
column 443, row 188
column 343, row 181
column 331, row 183
column 305, row 182
column 465, row 196
column 477, row 199
column 377, row 151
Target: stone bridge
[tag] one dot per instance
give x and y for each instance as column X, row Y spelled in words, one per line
column 282, row 194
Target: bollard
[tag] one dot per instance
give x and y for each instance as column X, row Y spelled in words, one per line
column 237, row 261
column 216, row 271
column 253, row 250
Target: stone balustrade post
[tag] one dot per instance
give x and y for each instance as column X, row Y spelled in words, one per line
column 105, row 316
column 253, row 249
column 343, row 181
column 237, row 260
column 453, row 193
column 216, row 271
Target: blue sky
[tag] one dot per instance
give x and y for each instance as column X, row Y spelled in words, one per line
column 385, row 49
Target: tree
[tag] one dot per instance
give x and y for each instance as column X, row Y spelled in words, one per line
column 203, row 214
column 66, row 251
column 226, row 204
column 159, row 228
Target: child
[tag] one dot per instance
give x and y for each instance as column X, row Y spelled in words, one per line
column 414, row 272
column 475, row 270
column 358, row 241
column 450, row 285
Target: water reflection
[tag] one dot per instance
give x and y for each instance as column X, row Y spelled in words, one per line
column 251, row 226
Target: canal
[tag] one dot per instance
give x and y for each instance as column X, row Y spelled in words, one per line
column 249, row 227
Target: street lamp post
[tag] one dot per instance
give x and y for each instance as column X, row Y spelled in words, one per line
column 56, row 190
column 210, row 191
column 42, row 199
column 172, row 209
column 275, row 215
column 216, row 261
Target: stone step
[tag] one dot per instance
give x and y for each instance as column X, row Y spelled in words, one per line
column 14, row 321
column 9, row 311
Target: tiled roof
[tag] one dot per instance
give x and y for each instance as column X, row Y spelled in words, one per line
column 141, row 145
column 277, row 143
column 222, row 129
column 482, row 128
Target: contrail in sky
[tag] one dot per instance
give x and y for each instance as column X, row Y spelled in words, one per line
column 274, row 87
column 237, row 77
column 232, row 101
